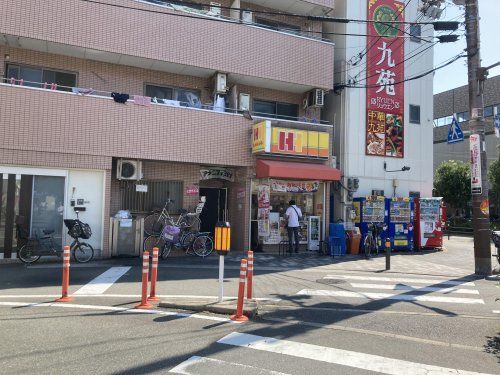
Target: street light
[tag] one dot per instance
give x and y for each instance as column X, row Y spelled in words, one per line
column 404, row 169
column 222, row 247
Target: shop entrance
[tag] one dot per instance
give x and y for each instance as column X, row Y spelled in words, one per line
column 215, row 208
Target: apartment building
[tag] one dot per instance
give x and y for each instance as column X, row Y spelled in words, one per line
column 112, row 105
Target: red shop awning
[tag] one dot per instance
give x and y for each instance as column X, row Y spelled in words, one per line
column 295, row 171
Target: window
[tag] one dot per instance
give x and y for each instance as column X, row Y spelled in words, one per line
column 463, row 116
column 35, row 77
column 186, row 97
column 284, row 111
column 414, row 114
column 278, row 26
column 488, row 111
column 416, row 33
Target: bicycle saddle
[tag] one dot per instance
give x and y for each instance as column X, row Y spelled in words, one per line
column 48, row 231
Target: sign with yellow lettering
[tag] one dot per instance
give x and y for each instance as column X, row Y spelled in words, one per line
column 285, row 141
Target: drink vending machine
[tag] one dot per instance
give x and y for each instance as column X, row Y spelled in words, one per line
column 430, row 218
column 400, row 222
column 370, row 210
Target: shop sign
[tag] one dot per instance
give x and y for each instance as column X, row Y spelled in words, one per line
column 240, row 193
column 218, row 173
column 284, row 141
column 141, row 188
column 475, row 164
column 192, row 190
column 384, row 74
column 295, row 186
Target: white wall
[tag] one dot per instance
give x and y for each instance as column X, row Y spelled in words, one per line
column 88, row 185
column 349, row 112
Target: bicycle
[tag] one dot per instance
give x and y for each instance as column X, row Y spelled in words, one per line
column 155, row 222
column 372, row 240
column 495, row 237
column 37, row 246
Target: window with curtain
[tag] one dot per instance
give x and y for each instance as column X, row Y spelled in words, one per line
column 186, row 97
column 36, row 76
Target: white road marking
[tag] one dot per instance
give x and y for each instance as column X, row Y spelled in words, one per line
column 116, row 309
column 342, row 357
column 103, row 282
column 132, row 296
column 382, row 296
column 198, row 365
column 415, row 288
column 496, row 311
column 401, row 280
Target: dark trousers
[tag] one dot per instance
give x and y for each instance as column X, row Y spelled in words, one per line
column 293, row 233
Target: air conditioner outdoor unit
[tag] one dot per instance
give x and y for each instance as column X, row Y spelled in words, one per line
column 247, row 16
column 244, row 102
column 215, row 9
column 220, row 83
column 129, row 169
column 316, row 98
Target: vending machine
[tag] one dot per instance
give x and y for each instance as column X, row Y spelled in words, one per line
column 429, row 223
column 313, row 234
column 400, row 223
column 370, row 210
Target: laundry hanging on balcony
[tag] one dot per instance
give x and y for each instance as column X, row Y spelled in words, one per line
column 82, row 90
column 219, row 104
column 120, row 98
column 142, row 100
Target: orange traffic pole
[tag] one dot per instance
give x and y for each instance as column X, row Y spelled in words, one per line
column 239, row 317
column 145, row 271
column 250, row 274
column 65, row 277
column 154, row 276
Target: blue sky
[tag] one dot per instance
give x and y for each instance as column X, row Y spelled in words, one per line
column 455, row 74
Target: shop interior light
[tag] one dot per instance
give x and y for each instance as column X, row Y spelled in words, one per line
column 222, row 237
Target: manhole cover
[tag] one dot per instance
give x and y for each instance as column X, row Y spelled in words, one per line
column 330, row 281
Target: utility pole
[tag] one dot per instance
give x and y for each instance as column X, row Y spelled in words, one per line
column 480, row 203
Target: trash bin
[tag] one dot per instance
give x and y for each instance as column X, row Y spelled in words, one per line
column 353, row 241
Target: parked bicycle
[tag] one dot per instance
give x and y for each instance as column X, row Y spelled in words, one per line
column 154, row 223
column 37, row 246
column 495, row 237
column 373, row 241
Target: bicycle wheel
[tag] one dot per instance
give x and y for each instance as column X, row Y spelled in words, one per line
column 83, row 252
column 187, row 242
column 153, row 241
column 166, row 250
column 153, row 224
column 203, row 245
column 28, row 253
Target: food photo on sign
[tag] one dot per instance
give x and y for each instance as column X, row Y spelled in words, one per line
column 394, row 136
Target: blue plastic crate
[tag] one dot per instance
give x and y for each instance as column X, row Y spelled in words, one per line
column 337, row 230
column 338, row 246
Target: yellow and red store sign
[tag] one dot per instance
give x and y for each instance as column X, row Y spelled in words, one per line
column 285, row 141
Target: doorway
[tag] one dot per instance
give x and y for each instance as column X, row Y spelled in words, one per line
column 215, row 208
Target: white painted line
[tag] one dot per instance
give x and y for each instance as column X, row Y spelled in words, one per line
column 341, row 357
column 496, row 311
column 132, row 296
column 382, row 296
column 116, row 309
column 415, row 288
column 201, row 365
column 103, row 282
column 401, row 280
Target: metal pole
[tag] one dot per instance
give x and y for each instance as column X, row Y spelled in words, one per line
column 387, row 254
column 221, row 277
column 480, row 203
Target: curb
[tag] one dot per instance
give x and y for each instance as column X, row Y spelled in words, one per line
column 250, row 308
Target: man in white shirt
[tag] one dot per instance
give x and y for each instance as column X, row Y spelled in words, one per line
column 293, row 214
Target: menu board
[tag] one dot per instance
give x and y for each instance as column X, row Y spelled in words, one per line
column 400, row 212
column 374, row 211
column 429, row 210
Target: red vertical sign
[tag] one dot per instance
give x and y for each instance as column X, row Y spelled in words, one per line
column 384, row 76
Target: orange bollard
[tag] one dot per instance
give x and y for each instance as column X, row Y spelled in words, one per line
column 154, row 276
column 145, row 271
column 239, row 317
column 65, row 277
column 250, row 274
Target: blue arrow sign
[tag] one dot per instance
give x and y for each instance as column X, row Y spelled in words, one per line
column 455, row 134
column 497, row 126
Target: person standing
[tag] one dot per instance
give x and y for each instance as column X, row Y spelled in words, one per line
column 293, row 214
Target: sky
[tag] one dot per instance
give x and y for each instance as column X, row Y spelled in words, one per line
column 455, row 75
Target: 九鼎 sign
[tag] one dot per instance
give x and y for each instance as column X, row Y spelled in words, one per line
column 475, row 164
column 219, row 173
column 384, row 76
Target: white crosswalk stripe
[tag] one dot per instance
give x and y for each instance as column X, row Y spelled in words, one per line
column 441, row 282
column 103, row 282
column 202, row 365
column 414, row 288
column 341, row 357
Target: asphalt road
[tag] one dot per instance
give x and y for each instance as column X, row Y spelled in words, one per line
column 429, row 315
